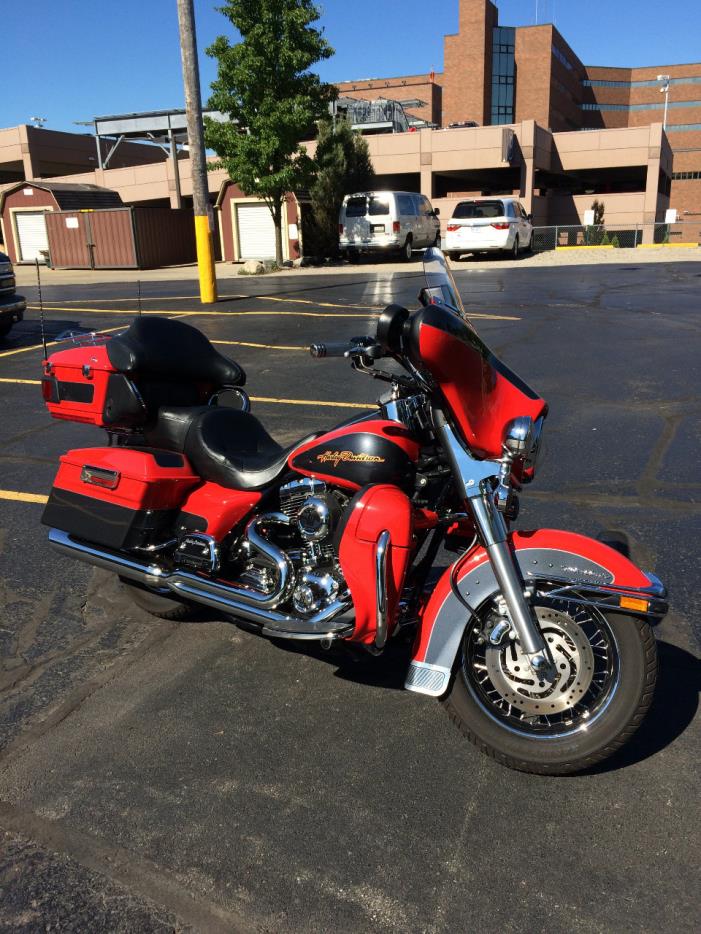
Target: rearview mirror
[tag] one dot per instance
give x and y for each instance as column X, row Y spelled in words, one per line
column 436, row 212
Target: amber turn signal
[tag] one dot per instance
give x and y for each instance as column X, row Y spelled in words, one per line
column 634, row 603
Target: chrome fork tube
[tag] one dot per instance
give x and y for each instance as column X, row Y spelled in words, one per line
column 474, row 478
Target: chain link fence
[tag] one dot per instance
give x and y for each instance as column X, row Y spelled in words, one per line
column 616, row 236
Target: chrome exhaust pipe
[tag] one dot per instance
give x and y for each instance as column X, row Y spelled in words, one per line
column 215, row 594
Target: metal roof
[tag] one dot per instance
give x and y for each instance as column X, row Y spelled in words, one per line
column 70, row 196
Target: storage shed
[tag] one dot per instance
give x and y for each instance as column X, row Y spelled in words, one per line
column 24, row 207
column 246, row 227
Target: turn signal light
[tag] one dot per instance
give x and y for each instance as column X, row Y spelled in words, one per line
column 396, row 227
column 501, row 226
column 634, row 603
column 453, row 227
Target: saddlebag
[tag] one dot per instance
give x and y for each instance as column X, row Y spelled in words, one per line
column 121, row 498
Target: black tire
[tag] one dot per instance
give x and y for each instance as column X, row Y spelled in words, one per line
column 515, row 249
column 454, row 256
column 407, row 251
column 437, row 241
column 353, row 257
column 554, row 754
column 157, row 604
column 5, row 329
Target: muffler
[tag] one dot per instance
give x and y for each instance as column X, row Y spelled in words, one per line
column 332, row 621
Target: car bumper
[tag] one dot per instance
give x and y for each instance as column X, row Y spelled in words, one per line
column 12, row 308
column 381, row 244
column 499, row 240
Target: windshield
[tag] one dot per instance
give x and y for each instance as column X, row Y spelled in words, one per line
column 440, row 284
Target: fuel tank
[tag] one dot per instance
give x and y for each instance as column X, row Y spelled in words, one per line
column 363, row 452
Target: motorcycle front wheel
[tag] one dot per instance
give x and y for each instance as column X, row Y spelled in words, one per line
column 606, row 671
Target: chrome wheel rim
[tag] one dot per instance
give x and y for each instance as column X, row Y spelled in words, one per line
column 585, row 654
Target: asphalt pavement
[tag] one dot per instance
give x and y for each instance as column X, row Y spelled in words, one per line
column 158, row 777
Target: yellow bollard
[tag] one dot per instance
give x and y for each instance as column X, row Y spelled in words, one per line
column 205, row 260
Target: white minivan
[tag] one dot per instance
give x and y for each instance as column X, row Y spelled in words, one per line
column 490, row 225
column 387, row 222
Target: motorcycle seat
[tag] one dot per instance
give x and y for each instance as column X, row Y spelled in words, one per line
column 162, row 348
column 226, row 446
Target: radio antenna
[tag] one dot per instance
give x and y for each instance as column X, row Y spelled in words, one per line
column 41, row 310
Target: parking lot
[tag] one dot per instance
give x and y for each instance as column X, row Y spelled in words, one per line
column 156, row 776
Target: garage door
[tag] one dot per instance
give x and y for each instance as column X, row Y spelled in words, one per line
column 31, row 233
column 256, row 231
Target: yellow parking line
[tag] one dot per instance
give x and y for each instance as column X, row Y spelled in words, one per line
column 333, row 405
column 203, row 314
column 311, row 301
column 26, row 382
column 264, row 346
column 224, row 298
column 264, row 399
column 121, row 327
column 23, row 497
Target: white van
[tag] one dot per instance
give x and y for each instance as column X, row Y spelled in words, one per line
column 387, row 222
column 488, row 225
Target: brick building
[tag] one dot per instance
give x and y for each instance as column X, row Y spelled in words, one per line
column 496, row 74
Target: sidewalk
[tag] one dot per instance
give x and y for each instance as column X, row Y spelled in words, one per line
column 26, row 275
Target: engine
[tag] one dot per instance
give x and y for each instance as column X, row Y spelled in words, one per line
column 315, row 512
column 311, row 513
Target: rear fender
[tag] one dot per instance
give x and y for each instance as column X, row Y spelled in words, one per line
column 600, row 575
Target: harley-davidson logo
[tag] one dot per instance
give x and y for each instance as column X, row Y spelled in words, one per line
column 348, row 457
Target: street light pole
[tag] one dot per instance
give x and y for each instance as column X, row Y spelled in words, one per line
column 664, row 89
column 198, row 163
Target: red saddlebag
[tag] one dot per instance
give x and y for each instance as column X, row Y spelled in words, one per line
column 121, row 498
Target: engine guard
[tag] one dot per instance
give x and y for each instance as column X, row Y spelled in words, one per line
column 598, row 574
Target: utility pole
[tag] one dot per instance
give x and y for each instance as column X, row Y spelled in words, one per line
column 198, row 163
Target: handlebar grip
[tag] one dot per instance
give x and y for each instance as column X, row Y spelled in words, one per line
column 336, row 348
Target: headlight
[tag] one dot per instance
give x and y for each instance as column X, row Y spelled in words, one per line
column 523, row 438
column 5, row 269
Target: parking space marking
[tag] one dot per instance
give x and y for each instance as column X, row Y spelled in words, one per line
column 268, row 400
column 333, row 405
column 224, row 298
column 23, row 497
column 488, row 315
column 203, row 314
column 264, row 346
column 25, row 382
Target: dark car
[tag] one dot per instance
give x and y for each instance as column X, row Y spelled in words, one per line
column 12, row 305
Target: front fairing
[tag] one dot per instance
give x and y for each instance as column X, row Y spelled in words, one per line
column 483, row 394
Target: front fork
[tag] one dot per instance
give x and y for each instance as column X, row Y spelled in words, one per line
column 474, row 479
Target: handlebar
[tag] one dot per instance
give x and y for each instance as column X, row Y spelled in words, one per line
column 332, row 349
column 365, row 346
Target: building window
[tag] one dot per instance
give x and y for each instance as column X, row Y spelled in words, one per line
column 683, row 127
column 503, row 74
column 562, row 58
column 652, row 83
column 629, row 107
column 685, row 176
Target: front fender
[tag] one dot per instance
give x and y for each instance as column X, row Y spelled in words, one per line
column 601, row 574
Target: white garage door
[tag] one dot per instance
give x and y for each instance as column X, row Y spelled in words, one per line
column 256, row 231
column 31, row 232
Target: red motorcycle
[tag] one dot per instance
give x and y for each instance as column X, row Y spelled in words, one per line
column 538, row 642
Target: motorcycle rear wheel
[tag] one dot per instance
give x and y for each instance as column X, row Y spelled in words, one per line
column 158, row 604
column 608, row 664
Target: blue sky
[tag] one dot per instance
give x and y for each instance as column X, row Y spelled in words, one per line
column 70, row 60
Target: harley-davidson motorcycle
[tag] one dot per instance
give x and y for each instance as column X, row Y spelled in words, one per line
column 538, row 642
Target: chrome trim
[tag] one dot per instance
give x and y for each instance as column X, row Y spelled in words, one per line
column 235, row 390
column 99, row 476
column 209, row 546
column 215, row 594
column 423, row 678
column 381, row 554
column 278, row 558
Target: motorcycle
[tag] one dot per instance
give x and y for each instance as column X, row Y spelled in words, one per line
column 537, row 642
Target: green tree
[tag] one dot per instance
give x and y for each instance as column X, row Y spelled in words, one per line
column 265, row 86
column 343, row 166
